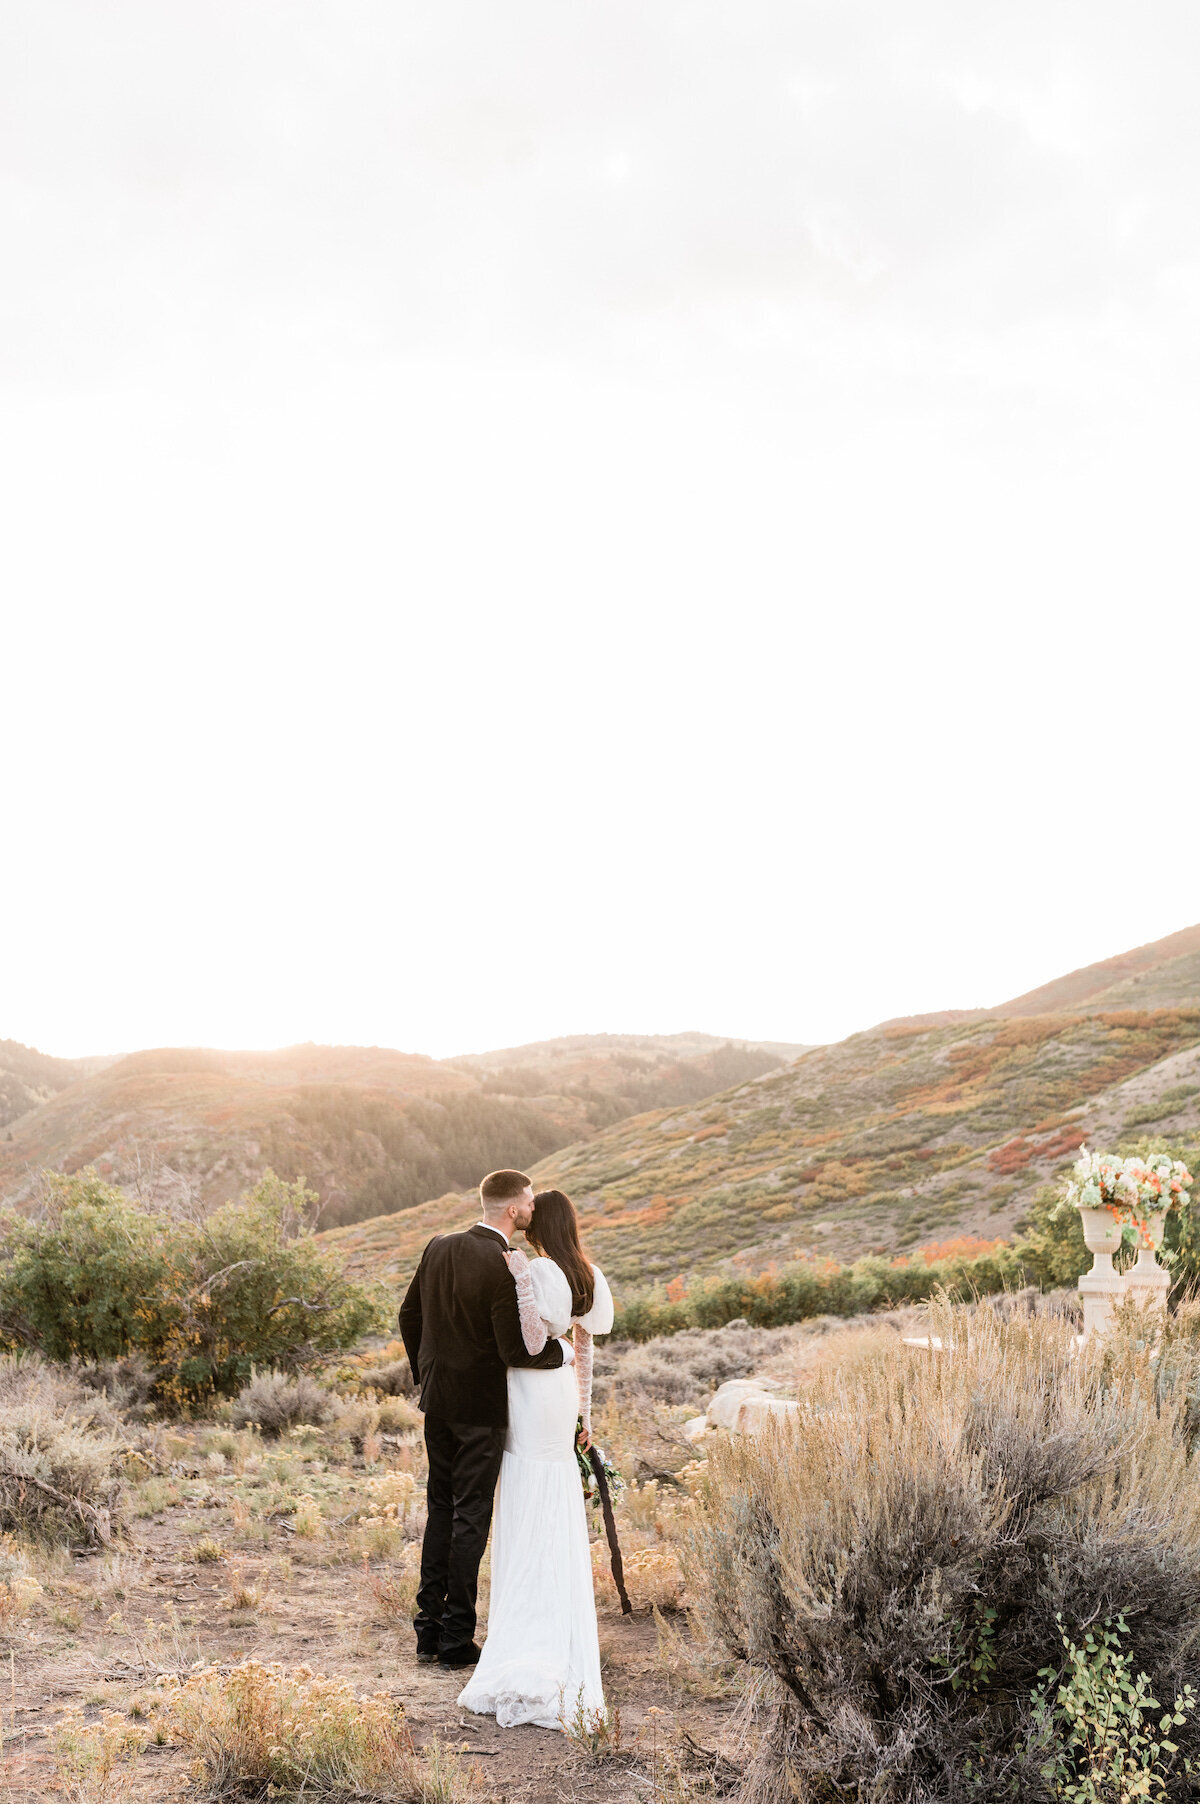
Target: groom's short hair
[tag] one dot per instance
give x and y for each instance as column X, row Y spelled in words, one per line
column 500, row 1187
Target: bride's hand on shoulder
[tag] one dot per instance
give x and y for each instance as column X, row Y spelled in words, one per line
column 517, row 1261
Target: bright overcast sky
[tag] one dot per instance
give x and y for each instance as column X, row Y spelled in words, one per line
column 532, row 518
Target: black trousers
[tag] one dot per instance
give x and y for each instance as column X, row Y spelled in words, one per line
column 464, row 1464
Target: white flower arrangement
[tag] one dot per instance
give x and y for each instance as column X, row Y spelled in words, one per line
column 1130, row 1189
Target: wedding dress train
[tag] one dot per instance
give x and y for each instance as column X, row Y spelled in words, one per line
column 541, row 1660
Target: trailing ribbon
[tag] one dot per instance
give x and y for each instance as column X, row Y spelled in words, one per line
column 610, row 1530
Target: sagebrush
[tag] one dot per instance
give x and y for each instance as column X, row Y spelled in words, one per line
column 275, row 1402
column 63, row 1451
column 905, row 1559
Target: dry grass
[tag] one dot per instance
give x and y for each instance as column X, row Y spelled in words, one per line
column 653, row 1578
column 391, row 1596
column 274, row 1402
column 19, row 1587
column 693, row 1664
column 99, row 1630
column 897, row 1559
column 297, row 1731
column 63, row 1452
column 95, row 1760
column 685, row 1367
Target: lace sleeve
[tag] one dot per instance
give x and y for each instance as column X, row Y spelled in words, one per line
column 533, row 1329
column 583, row 1373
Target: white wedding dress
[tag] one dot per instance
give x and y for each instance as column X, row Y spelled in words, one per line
column 541, row 1659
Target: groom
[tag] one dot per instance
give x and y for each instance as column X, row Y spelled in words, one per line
column 461, row 1332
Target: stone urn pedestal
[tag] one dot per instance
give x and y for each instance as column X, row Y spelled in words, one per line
column 1146, row 1281
column 1101, row 1288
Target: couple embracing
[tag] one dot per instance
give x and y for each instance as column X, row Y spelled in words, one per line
column 502, row 1387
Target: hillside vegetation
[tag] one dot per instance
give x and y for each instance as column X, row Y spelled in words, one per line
column 1163, row 974
column 893, row 1139
column 372, row 1130
column 29, row 1078
column 919, row 1133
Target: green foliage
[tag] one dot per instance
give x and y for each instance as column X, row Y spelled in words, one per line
column 1052, row 1246
column 796, row 1292
column 1169, row 1103
column 97, row 1278
column 94, row 1278
column 1107, row 1737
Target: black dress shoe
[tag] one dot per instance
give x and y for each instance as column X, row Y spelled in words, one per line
column 459, row 1656
column 427, row 1656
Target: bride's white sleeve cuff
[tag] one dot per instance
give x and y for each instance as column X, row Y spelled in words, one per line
column 599, row 1318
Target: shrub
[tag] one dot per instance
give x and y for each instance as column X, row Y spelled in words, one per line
column 680, row 1368
column 898, row 1561
column 307, row 1519
column 394, row 1498
column 128, row 1383
column 98, row 1279
column 653, row 1578
column 274, row 1402
column 796, row 1292
column 263, row 1729
column 390, row 1377
column 62, row 1456
column 1105, row 1735
column 397, row 1415
column 94, row 1760
column 19, row 1589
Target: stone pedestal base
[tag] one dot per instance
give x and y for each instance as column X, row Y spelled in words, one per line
column 1101, row 1290
column 1146, row 1282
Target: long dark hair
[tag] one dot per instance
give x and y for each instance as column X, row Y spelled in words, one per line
column 554, row 1231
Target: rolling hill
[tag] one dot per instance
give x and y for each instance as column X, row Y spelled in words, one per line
column 29, row 1078
column 909, row 1134
column 1163, row 974
column 685, row 1154
column 372, row 1130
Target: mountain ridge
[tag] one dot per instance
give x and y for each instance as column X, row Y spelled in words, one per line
column 372, row 1129
column 912, row 1132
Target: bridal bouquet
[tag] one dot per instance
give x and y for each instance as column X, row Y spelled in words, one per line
column 591, row 1488
column 1130, row 1189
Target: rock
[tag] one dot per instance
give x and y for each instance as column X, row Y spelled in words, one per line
column 723, row 1407
column 759, row 1412
column 695, row 1429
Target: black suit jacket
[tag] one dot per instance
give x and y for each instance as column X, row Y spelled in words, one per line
column 462, row 1331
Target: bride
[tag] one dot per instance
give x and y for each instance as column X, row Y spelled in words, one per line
column 541, row 1660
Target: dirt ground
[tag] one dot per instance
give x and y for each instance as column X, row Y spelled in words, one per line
column 213, row 1570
